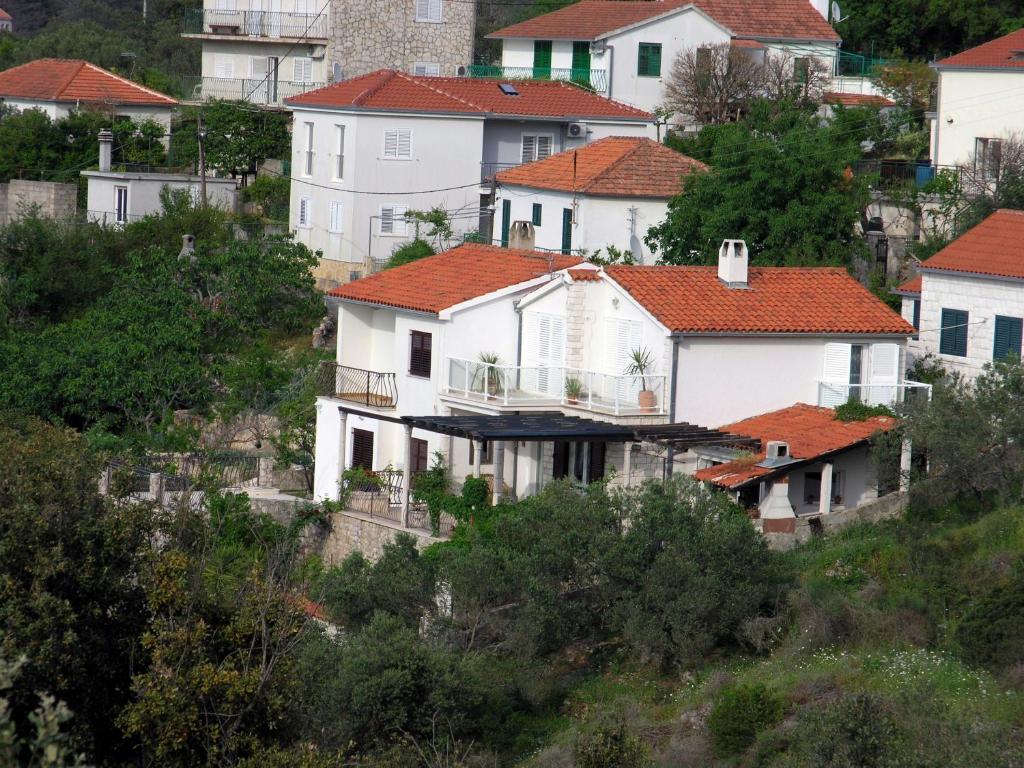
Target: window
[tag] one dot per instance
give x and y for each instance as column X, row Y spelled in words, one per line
column 917, row 316
column 537, row 210
column 303, row 70
column 1007, row 337
column 426, row 68
column 953, row 333
column 339, row 168
column 536, row 147
column 570, row 458
column 308, row 165
column 398, row 144
column 224, row 66
column 506, row 221
column 336, row 216
column 225, row 5
column 567, row 230
column 856, row 371
column 354, row 275
column 812, row 487
column 648, row 60
column 420, row 455
column 419, row 354
column 485, row 454
column 428, row 10
column 121, row 205
column 542, row 59
column 801, row 70
column 392, row 220
column 988, row 155
column 305, row 211
column 304, row 7
column 362, row 449
column 704, row 65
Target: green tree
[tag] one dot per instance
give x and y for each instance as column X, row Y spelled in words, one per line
column 411, row 251
column 238, row 136
column 778, row 180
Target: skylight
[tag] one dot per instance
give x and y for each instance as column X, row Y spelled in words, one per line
column 508, row 89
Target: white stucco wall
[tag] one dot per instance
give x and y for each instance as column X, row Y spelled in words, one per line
column 59, row 110
column 242, row 51
column 971, row 105
column 144, row 192
column 983, row 299
column 858, row 484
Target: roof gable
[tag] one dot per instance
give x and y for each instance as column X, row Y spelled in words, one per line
column 75, row 80
column 467, row 272
column 989, row 248
column 1006, row 52
column 390, row 90
column 616, row 166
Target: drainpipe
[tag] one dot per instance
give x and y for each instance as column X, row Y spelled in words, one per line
column 670, row 455
column 611, row 56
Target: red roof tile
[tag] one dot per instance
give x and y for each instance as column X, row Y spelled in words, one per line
column 593, row 19
column 913, row 285
column 591, row 275
column 616, row 166
column 1006, row 52
column 4, row 15
column 786, row 300
column 858, row 100
column 992, row 247
column 810, row 431
column 390, row 90
column 438, row 282
column 75, row 80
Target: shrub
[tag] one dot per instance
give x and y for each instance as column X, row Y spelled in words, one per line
column 857, row 410
column 610, row 746
column 739, row 714
column 412, row 251
column 270, row 193
column 992, row 630
column 858, row 731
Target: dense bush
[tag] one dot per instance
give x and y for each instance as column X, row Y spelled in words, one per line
column 858, row 731
column 992, row 629
column 610, row 745
column 739, row 714
column 411, row 251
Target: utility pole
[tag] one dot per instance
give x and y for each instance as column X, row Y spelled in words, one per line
column 202, row 156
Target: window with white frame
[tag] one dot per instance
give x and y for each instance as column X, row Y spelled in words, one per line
column 308, row 164
column 305, row 211
column 428, row 10
column 398, row 144
column 302, row 71
column 988, row 156
column 305, row 7
column 224, row 66
column 426, row 68
column 339, row 165
column 392, row 220
column 336, row 211
column 224, row 5
column 121, row 205
column 536, row 146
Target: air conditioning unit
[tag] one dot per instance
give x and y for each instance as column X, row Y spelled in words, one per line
column 598, row 47
column 576, row 130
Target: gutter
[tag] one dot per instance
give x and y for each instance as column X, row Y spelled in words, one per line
column 670, row 455
column 378, row 305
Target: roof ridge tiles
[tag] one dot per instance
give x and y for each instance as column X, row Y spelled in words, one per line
column 374, row 88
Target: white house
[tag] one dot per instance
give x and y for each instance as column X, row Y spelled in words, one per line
column 625, row 48
column 973, row 106
column 608, row 193
column 968, row 301
column 517, row 364
column 367, row 150
column 59, row 87
column 6, row 22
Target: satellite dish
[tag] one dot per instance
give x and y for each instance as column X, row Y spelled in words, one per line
column 837, row 14
column 636, row 248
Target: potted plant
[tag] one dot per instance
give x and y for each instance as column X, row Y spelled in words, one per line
column 489, row 375
column 640, row 362
column 573, row 389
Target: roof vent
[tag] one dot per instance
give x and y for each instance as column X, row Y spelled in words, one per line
column 508, row 89
column 776, row 454
column 1016, row 55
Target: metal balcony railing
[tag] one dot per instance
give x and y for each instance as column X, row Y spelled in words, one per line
column 592, row 79
column 253, row 90
column 357, row 385
column 271, row 24
column 831, row 394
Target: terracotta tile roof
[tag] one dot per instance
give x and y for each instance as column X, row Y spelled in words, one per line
column 590, row 275
column 593, row 19
column 390, row 90
column 616, row 166
column 786, row 300
column 858, row 100
column 4, row 15
column 437, row 282
column 811, row 432
column 992, row 247
column 911, row 286
column 739, row 43
column 75, row 80
column 1006, row 52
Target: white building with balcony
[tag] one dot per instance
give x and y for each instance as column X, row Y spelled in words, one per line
column 367, row 150
column 967, row 304
column 625, row 49
column 452, row 353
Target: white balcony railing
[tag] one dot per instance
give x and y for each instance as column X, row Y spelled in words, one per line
column 831, row 394
column 521, row 385
column 253, row 90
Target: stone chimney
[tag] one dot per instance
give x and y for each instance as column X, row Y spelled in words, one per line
column 732, row 263
column 188, row 248
column 522, row 235
column 106, row 149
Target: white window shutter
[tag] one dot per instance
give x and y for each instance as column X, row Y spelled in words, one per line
column 387, row 220
column 529, row 148
column 259, row 66
column 885, row 373
column 835, row 376
column 391, row 143
column 543, row 147
column 336, row 215
column 305, row 211
column 435, row 10
column 405, row 143
column 401, row 226
column 422, row 9
column 224, row 66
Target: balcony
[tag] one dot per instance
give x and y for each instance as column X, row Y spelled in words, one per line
column 831, row 394
column 521, row 386
column 272, row 25
column 591, row 79
column 357, row 385
column 253, row 90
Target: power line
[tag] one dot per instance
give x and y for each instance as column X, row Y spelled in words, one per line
column 369, row 192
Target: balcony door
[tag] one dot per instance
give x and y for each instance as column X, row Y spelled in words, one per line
column 273, row 17
column 543, row 354
column 362, row 449
column 622, row 337
column 263, row 89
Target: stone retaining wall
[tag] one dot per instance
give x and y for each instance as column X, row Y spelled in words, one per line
column 808, row 526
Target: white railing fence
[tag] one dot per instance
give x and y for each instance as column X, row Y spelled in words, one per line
column 831, row 394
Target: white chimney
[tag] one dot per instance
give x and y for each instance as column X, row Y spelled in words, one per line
column 777, row 515
column 732, row 263
column 522, row 235
column 106, row 149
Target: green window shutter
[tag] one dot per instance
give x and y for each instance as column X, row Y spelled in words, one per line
column 506, row 221
column 953, row 335
column 1007, row 337
column 542, row 58
column 537, row 208
column 917, row 316
column 566, row 230
column 648, row 60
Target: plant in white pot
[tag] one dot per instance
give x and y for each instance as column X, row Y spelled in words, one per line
column 640, row 362
column 490, row 376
